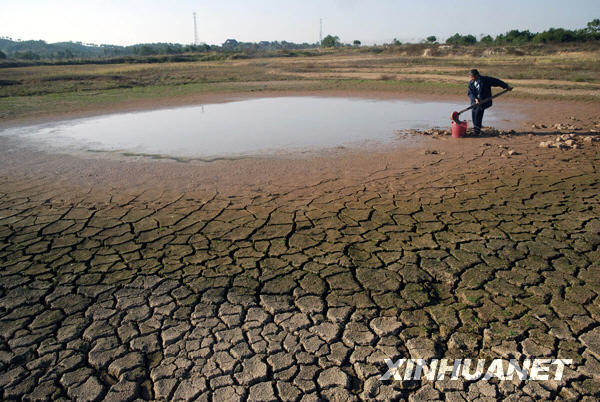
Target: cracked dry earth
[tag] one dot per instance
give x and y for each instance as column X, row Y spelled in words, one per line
column 300, row 292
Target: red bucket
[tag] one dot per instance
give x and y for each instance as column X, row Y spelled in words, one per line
column 459, row 129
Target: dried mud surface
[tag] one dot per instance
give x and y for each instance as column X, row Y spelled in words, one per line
column 293, row 279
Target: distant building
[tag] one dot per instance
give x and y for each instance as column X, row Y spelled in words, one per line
column 230, row 44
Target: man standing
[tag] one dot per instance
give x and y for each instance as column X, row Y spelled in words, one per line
column 480, row 88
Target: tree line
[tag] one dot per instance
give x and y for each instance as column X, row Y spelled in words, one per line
column 39, row 49
column 516, row 37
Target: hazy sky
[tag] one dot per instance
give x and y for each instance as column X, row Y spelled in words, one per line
column 125, row 22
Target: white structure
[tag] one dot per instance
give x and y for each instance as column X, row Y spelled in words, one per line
column 320, row 31
column 195, row 31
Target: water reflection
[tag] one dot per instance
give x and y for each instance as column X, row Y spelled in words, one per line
column 254, row 126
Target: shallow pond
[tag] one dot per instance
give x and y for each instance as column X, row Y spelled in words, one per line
column 256, row 126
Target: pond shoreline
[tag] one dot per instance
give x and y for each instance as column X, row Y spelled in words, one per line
column 288, row 126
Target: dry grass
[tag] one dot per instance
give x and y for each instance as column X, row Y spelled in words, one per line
column 42, row 80
column 387, row 77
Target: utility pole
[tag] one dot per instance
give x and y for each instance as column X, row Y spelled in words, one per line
column 195, row 31
column 321, row 32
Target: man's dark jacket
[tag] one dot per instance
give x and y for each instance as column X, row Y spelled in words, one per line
column 485, row 89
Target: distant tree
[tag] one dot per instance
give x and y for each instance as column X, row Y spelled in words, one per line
column 396, row 42
column 459, row 39
column 2, row 55
column 556, row 35
column 230, row 44
column 170, row 49
column 515, row 37
column 356, row 43
column 594, row 26
column 146, row 50
column 469, row 40
column 197, row 48
column 331, row 41
column 487, row 40
column 431, row 39
column 454, row 39
column 28, row 55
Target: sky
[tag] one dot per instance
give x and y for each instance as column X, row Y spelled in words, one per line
column 125, row 22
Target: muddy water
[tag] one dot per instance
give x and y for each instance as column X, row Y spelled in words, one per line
column 247, row 127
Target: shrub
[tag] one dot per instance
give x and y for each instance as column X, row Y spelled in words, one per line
column 461, row 40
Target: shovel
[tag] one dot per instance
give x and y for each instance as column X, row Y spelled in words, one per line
column 454, row 115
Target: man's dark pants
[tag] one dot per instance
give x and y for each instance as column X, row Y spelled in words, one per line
column 477, row 114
